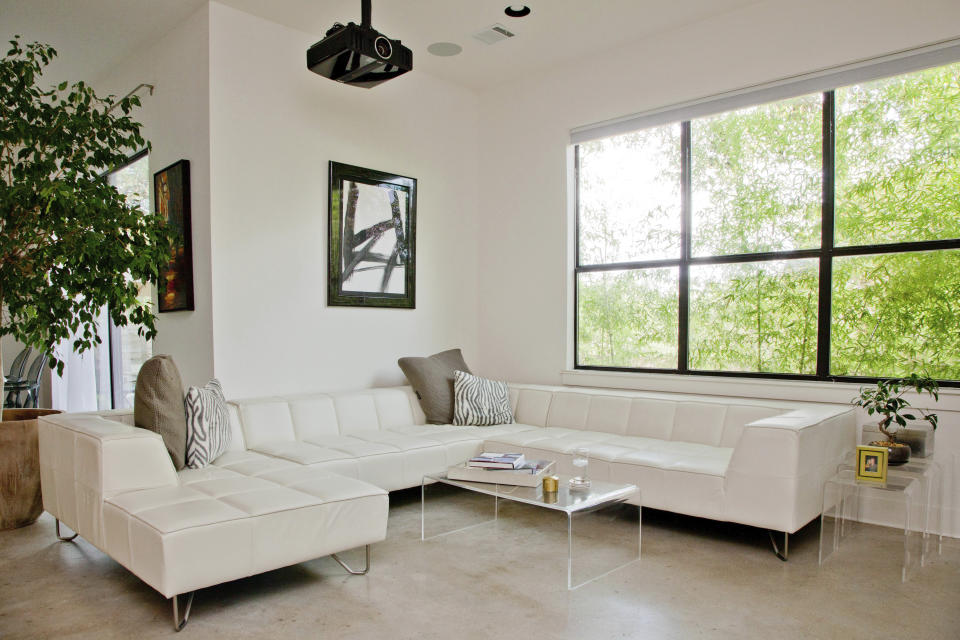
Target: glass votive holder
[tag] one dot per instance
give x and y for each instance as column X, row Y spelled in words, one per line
column 581, row 462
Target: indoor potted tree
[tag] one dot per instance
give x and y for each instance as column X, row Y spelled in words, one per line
column 69, row 242
column 886, row 400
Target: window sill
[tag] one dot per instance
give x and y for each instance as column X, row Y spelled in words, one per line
column 792, row 390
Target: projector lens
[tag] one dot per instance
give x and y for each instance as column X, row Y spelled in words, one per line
column 383, row 47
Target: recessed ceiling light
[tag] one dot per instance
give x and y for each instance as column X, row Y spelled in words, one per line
column 444, row 48
column 517, row 10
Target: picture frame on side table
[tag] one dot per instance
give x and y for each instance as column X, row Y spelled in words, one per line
column 872, row 464
column 371, row 232
column 171, row 199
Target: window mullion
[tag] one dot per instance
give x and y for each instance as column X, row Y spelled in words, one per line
column 683, row 360
column 826, row 236
column 576, row 256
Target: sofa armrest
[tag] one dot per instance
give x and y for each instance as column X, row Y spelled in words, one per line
column 779, row 464
column 86, row 458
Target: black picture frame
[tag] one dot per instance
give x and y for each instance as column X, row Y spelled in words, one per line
column 371, row 234
column 171, row 200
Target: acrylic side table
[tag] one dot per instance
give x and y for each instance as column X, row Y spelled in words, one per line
column 914, row 488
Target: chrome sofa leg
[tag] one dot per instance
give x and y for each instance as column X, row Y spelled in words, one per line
column 354, row 571
column 64, row 538
column 786, row 545
column 178, row 622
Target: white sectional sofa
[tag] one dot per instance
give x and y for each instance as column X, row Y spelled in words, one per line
column 313, row 470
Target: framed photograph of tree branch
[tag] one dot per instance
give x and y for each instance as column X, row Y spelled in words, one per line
column 372, row 238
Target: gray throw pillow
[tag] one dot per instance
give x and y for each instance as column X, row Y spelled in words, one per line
column 208, row 424
column 158, row 405
column 432, row 380
column 480, row 402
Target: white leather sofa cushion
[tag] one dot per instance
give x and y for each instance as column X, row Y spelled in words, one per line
column 568, row 410
column 699, row 422
column 301, row 452
column 266, row 420
column 356, row 412
column 314, row 417
column 438, row 433
column 651, row 452
column 651, row 418
column 399, row 441
column 237, row 441
column 393, row 408
column 610, row 414
column 251, row 463
column 532, row 407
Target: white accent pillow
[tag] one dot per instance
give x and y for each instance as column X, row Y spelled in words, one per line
column 480, row 402
column 208, row 424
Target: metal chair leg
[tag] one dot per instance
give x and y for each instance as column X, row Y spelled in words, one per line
column 178, row 622
column 64, row 538
column 354, row 571
column 786, row 545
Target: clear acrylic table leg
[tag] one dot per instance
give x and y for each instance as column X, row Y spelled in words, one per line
column 606, row 539
column 455, row 511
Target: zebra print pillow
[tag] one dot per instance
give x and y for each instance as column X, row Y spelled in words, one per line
column 208, row 424
column 480, row 402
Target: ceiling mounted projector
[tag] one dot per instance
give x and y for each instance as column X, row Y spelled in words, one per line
column 359, row 55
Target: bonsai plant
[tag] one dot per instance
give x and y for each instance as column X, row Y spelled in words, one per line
column 70, row 243
column 886, row 400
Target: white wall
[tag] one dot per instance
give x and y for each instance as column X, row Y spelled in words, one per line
column 524, row 131
column 176, row 121
column 274, row 127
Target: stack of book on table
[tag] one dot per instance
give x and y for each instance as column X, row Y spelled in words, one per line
column 502, row 468
column 497, row 461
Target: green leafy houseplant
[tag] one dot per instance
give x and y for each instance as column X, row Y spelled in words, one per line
column 886, row 401
column 69, row 241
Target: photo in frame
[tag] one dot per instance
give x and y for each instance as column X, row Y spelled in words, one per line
column 872, row 463
column 372, row 238
column 171, row 199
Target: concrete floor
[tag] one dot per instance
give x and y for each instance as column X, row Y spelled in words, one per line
column 696, row 579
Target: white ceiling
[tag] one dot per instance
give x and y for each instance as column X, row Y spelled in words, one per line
column 91, row 35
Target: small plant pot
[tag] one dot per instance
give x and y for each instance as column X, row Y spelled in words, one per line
column 899, row 452
column 21, row 502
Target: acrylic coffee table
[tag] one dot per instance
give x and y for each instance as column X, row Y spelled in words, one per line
column 596, row 501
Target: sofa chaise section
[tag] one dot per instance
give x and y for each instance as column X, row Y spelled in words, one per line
column 115, row 485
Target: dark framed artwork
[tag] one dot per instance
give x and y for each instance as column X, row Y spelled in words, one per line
column 372, row 228
column 171, row 199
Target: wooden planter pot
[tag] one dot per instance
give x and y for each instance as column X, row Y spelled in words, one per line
column 20, row 499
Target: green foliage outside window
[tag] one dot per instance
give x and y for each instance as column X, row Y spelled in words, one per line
column 629, row 318
column 756, row 184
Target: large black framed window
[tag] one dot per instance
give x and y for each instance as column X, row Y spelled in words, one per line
column 813, row 237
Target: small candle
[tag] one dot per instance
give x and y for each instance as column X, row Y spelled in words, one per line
column 551, row 484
